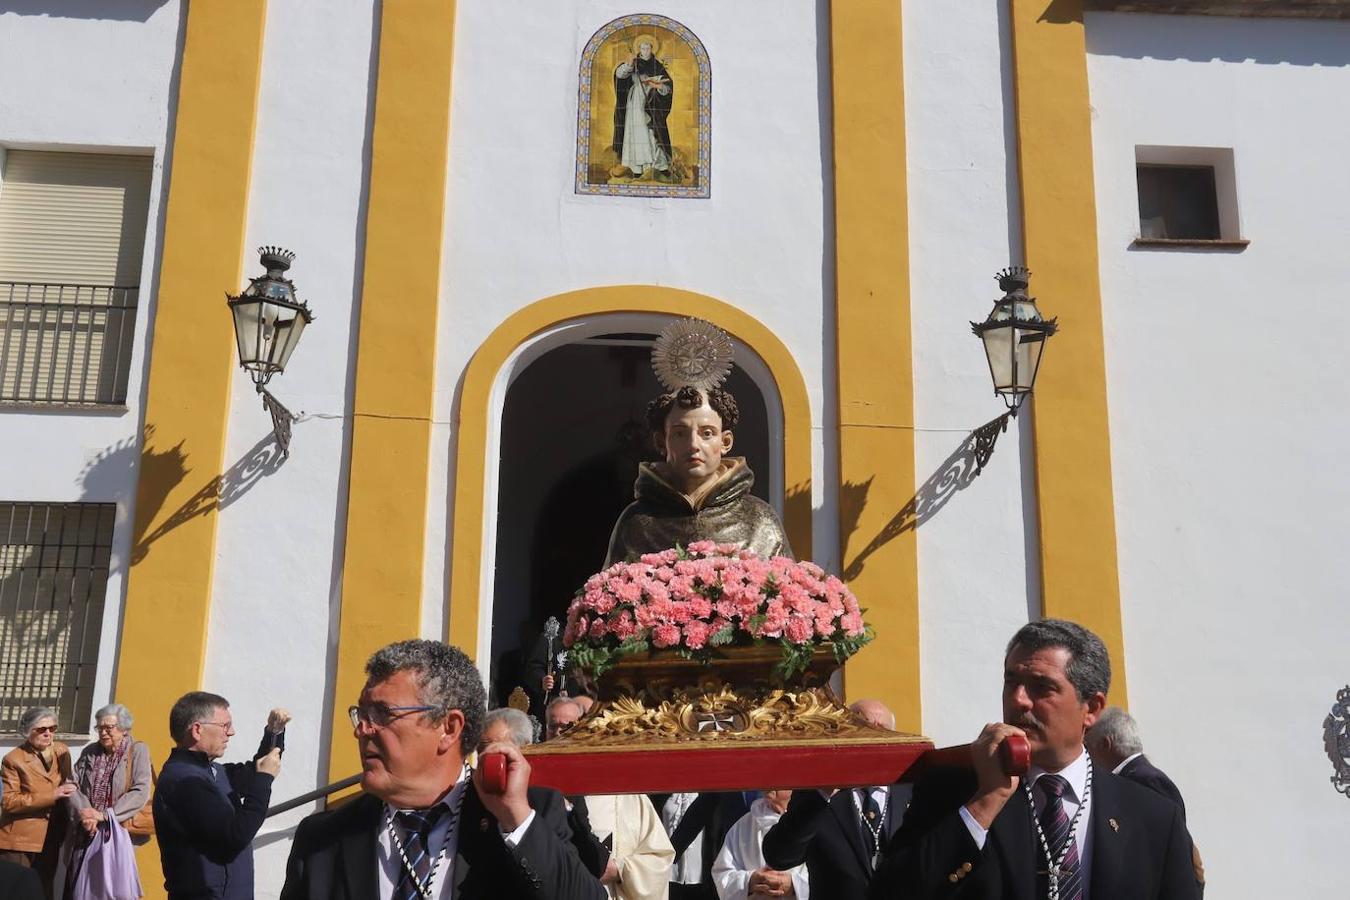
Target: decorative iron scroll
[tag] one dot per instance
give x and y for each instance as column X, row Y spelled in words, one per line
column 281, row 420
column 1336, row 738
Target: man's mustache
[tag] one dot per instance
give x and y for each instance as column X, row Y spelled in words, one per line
column 1027, row 720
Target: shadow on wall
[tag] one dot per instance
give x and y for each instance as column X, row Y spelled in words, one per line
column 123, row 10
column 163, row 470
column 955, row 474
column 1266, row 41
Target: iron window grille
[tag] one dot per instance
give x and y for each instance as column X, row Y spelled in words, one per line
column 54, row 560
column 65, row 344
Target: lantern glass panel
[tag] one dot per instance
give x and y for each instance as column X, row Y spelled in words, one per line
column 1030, row 344
column 998, row 347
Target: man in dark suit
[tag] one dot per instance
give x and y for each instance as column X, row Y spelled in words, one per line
column 703, row 818
column 1064, row 831
column 840, row 835
column 1115, row 744
column 425, row 826
column 19, row 882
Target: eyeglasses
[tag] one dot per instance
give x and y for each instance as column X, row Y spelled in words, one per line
column 42, row 729
column 228, row 726
column 102, row 728
column 379, row 715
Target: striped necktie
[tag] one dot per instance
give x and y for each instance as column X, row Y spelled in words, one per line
column 1055, row 825
column 417, row 825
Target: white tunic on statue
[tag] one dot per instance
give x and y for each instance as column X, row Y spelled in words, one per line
column 640, row 847
column 640, row 147
column 743, row 853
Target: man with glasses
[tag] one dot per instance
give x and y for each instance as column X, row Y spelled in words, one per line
column 206, row 813
column 425, row 826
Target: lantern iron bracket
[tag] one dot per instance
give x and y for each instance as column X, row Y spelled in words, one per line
column 281, row 420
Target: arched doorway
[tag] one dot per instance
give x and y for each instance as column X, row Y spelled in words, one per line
column 572, row 434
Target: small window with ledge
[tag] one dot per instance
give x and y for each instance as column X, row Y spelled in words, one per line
column 1187, row 198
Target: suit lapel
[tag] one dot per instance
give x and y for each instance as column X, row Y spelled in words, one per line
column 1108, row 843
column 358, row 849
column 841, row 804
column 476, row 825
column 1021, row 857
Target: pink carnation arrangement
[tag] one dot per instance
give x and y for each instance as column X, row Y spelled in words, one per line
column 692, row 599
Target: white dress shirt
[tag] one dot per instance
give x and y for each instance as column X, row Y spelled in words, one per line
column 442, row 844
column 1075, row 773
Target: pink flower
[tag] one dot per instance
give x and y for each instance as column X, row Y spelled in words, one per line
column 696, row 634
column 729, row 549
column 852, row 624
column 798, row 629
column 623, row 627
column 679, row 612
column 599, row 628
column 702, row 547
column 629, row 592
column 665, row 636
column 700, row 607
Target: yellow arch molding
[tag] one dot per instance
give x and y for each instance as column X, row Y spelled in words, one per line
column 1079, row 577
column 475, row 413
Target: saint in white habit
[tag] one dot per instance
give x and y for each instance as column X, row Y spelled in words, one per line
column 644, row 94
column 743, row 853
column 638, row 845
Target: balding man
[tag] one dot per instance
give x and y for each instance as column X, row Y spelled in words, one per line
column 839, row 835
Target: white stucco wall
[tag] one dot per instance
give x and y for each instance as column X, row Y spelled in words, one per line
column 1227, row 399
column 277, row 582
column 977, row 572
column 757, row 243
column 93, row 77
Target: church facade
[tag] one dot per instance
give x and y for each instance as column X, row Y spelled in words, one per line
column 495, row 205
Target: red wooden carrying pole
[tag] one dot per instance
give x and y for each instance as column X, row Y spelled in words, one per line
column 742, row 768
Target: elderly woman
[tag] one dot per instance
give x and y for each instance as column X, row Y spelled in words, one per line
column 36, row 777
column 112, row 776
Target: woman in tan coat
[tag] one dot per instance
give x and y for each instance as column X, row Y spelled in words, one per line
column 36, row 776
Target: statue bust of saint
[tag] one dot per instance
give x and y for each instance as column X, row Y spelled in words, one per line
column 698, row 493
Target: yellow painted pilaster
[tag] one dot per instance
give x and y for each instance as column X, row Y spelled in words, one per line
column 163, row 641
column 875, row 372
column 396, row 355
column 1073, row 444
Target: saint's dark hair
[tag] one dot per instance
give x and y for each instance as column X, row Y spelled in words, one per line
column 687, row 397
column 1089, row 668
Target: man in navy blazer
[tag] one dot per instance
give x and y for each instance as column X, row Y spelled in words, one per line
column 826, row 830
column 426, row 827
column 1067, row 829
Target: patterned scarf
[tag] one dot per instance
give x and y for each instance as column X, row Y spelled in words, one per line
column 101, row 770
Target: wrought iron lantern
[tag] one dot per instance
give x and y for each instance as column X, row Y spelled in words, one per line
column 268, row 322
column 1014, row 337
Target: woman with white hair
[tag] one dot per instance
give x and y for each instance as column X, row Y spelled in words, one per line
column 112, row 776
column 36, row 777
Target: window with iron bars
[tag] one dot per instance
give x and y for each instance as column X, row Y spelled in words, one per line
column 54, row 560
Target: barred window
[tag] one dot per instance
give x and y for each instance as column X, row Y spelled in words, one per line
column 54, row 561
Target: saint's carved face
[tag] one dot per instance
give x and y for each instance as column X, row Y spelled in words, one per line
column 695, row 443
column 645, row 50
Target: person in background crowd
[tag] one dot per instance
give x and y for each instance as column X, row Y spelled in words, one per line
column 36, row 776
column 697, row 825
column 19, row 882
column 424, row 826
column 640, row 852
column 740, row 871
column 839, row 835
column 1067, row 830
column 111, row 775
column 511, row 726
column 561, row 713
column 585, row 701
column 1114, row 743
column 207, row 813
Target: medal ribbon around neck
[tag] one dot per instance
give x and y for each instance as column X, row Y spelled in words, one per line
column 1051, row 863
column 424, row 887
column 881, row 823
